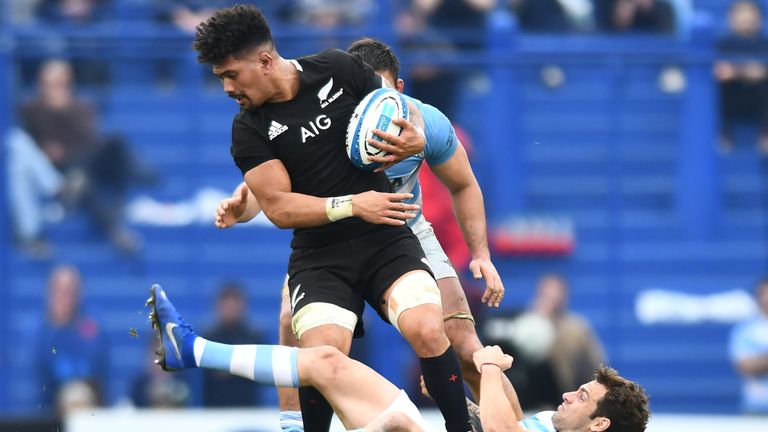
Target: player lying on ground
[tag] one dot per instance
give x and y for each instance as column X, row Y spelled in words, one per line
column 448, row 160
column 365, row 400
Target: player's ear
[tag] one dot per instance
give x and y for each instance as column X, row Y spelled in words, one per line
column 265, row 60
column 600, row 424
column 400, row 85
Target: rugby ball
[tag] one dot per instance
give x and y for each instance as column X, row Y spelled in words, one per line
column 375, row 111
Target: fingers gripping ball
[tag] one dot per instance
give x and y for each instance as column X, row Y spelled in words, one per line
column 375, row 111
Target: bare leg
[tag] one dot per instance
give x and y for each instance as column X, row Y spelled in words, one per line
column 288, row 397
column 357, row 393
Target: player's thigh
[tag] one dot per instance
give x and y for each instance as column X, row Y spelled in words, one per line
column 323, row 303
column 357, row 393
column 392, row 260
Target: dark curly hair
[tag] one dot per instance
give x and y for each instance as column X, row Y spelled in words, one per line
column 625, row 403
column 230, row 32
column 377, row 55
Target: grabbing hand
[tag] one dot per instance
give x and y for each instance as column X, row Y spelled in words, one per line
column 491, row 355
column 494, row 288
column 230, row 210
column 410, row 142
column 383, row 208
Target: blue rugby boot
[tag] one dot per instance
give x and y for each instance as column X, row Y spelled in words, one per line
column 177, row 338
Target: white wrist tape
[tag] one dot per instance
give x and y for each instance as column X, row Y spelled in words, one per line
column 338, row 207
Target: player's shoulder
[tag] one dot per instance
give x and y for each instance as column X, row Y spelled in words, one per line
column 539, row 422
column 246, row 118
column 327, row 58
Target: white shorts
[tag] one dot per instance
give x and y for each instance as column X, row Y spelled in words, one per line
column 438, row 260
column 403, row 403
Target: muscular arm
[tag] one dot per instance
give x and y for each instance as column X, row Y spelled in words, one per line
column 456, row 174
column 271, row 186
column 497, row 413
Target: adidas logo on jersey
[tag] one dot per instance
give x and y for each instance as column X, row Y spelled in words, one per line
column 276, row 129
column 325, row 91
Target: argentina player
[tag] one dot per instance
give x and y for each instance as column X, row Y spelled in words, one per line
column 446, row 157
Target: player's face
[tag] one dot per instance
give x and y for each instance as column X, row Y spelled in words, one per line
column 577, row 406
column 246, row 78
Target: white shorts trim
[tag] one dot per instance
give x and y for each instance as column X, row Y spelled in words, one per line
column 317, row 314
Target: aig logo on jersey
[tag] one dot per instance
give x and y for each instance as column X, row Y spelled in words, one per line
column 325, row 91
column 321, row 123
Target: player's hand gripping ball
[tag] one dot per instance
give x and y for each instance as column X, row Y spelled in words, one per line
column 375, row 111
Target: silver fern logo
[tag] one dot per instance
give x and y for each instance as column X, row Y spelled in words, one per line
column 325, row 91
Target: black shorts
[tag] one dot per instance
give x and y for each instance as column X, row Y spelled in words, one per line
column 349, row 273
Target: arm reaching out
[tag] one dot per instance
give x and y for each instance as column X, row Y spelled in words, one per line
column 496, row 411
column 242, row 206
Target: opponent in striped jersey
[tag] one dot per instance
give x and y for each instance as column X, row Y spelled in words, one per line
column 610, row 402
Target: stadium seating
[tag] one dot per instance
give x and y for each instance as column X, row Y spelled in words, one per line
column 600, row 139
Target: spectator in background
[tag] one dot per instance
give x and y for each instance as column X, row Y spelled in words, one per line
column 748, row 346
column 70, row 343
column 97, row 170
column 325, row 15
column 185, row 15
column 431, row 27
column 576, row 351
column 153, row 388
column 742, row 74
column 554, row 347
column 231, row 327
column 73, row 12
column 31, row 180
column 548, row 16
column 625, row 16
column 74, row 396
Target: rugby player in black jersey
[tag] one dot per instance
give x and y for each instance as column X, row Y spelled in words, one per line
column 288, row 141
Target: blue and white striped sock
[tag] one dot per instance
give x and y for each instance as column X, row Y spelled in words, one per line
column 273, row 365
column 291, row 421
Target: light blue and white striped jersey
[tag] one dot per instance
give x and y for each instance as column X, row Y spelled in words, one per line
column 440, row 146
column 540, row 422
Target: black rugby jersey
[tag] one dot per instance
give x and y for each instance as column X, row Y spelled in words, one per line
column 307, row 133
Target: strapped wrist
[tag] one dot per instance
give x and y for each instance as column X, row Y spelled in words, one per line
column 337, row 208
column 489, row 364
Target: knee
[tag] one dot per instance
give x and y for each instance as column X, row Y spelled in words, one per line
column 424, row 330
column 330, row 362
